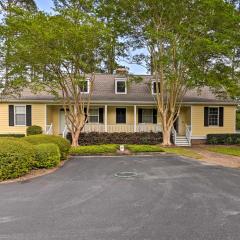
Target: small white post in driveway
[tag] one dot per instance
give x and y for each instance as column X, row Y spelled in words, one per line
column 105, row 118
column 135, row 118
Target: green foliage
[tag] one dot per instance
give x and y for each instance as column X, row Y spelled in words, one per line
column 233, row 150
column 34, row 130
column 12, row 135
column 187, row 152
column 223, row 138
column 47, row 155
column 95, row 138
column 16, row 158
column 62, row 143
column 144, row 148
column 94, row 149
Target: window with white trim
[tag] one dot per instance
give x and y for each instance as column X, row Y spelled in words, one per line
column 120, row 86
column 147, row 116
column 84, row 86
column 213, row 116
column 20, row 115
column 154, row 87
column 93, row 116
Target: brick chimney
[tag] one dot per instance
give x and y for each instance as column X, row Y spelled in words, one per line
column 121, row 71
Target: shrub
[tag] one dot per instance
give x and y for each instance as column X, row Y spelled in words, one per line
column 95, row 138
column 12, row 135
column 16, row 158
column 62, row 143
column 47, row 155
column 94, row 149
column 34, row 130
column 223, row 138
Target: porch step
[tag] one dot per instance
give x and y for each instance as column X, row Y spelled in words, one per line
column 182, row 141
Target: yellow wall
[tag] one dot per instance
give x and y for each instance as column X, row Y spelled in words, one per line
column 198, row 128
column 53, row 118
column 184, row 119
column 38, row 118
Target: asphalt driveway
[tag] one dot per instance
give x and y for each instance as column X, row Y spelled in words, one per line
column 170, row 198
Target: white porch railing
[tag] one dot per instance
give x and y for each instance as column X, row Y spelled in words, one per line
column 117, row 128
column 65, row 132
column 94, row 128
column 174, row 135
column 49, row 129
column 142, row 127
column 189, row 133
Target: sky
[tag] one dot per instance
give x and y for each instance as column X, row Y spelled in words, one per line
column 47, row 5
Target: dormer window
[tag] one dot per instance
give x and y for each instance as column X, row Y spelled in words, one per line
column 120, row 86
column 154, row 87
column 84, row 86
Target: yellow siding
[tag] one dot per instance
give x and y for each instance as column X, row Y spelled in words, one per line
column 55, row 119
column 198, row 128
column 38, row 118
column 184, row 119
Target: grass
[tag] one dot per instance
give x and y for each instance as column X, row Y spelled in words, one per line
column 94, row 149
column 183, row 152
column 228, row 150
column 144, row 148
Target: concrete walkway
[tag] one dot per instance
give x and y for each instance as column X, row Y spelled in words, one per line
column 217, row 158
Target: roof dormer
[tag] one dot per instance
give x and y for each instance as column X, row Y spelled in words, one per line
column 120, row 86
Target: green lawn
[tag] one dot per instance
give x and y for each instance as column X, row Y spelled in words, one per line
column 229, row 150
column 94, row 149
column 183, row 152
column 144, row 148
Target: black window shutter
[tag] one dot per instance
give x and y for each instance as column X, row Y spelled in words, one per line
column 140, row 115
column 221, row 116
column 29, row 115
column 11, row 115
column 205, row 116
column 154, row 115
column 100, row 115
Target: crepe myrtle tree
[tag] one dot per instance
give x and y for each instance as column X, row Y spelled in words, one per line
column 187, row 44
column 58, row 54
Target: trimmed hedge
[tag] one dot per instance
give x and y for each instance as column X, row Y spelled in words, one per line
column 95, row 138
column 95, row 149
column 34, row 130
column 16, row 158
column 47, row 155
column 12, row 135
column 227, row 139
column 62, row 143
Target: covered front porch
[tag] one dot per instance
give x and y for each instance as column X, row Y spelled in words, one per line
column 109, row 118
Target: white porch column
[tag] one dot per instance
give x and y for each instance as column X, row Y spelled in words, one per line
column 105, row 118
column 135, row 118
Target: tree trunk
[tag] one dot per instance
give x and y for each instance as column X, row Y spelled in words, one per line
column 166, row 137
column 75, row 137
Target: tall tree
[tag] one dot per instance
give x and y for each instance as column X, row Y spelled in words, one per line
column 6, row 10
column 58, row 54
column 190, row 44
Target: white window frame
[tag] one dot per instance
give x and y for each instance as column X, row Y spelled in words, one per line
column 152, row 87
column 149, row 115
column 88, row 86
column 89, row 115
column 209, row 115
column 20, row 125
column 120, row 80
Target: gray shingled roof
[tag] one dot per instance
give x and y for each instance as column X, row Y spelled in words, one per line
column 104, row 91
